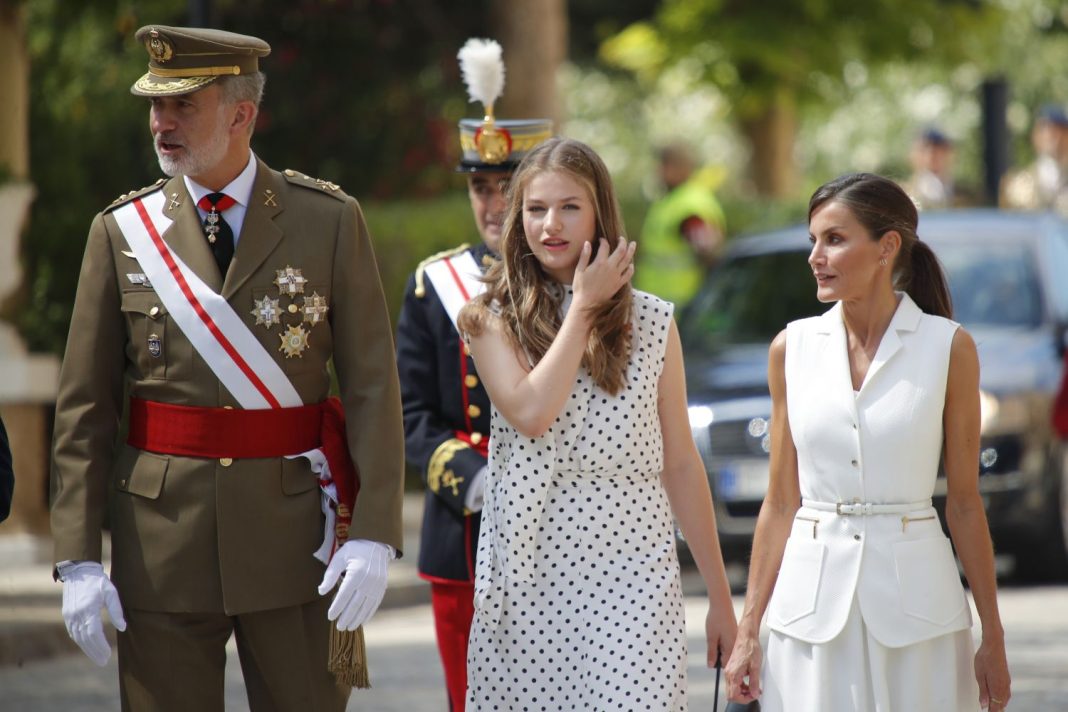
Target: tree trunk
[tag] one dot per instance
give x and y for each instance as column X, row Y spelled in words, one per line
column 772, row 135
column 534, row 36
column 14, row 88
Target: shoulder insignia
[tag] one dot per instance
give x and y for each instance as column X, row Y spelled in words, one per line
column 323, row 186
column 127, row 197
column 420, row 288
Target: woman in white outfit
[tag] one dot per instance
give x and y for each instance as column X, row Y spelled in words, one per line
column 864, row 602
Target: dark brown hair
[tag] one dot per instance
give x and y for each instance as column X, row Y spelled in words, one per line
column 527, row 299
column 880, row 205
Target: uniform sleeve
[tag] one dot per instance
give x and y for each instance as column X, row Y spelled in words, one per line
column 448, row 465
column 89, row 404
column 367, row 376
column 7, row 475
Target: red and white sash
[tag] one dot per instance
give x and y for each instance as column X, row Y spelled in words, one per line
column 244, row 367
column 457, row 280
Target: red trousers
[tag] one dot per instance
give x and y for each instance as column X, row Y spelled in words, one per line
column 454, row 607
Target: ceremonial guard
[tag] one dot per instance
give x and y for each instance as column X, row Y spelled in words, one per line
column 446, row 409
column 208, row 308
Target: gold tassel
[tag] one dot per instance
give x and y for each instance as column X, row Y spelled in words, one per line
column 348, row 658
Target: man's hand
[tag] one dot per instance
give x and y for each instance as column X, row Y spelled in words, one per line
column 87, row 589
column 364, row 565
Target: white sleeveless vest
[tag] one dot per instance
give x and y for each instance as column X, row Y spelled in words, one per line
column 880, row 446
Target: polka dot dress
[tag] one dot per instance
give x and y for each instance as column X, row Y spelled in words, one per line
column 578, row 604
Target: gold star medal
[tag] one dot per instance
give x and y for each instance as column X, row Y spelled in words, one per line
column 290, row 281
column 294, row 341
column 266, row 311
column 315, row 309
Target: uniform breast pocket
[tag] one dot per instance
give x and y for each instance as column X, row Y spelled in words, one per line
column 150, row 332
column 928, row 580
column 798, row 583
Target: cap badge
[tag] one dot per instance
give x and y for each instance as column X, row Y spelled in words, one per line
column 159, row 47
column 315, row 309
column 290, row 281
column 266, row 311
column 294, row 341
column 494, row 143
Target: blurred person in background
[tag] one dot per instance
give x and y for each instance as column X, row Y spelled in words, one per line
column 931, row 184
column 683, row 234
column 7, row 475
column 446, row 408
column 861, row 588
column 1043, row 184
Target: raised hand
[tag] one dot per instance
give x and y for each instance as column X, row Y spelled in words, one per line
column 598, row 279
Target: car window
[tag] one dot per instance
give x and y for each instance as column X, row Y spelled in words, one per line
column 1058, row 285
column 750, row 299
column 992, row 284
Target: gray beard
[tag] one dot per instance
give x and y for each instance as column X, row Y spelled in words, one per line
column 197, row 160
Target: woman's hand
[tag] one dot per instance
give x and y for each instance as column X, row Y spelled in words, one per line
column 720, row 631
column 597, row 280
column 992, row 674
column 743, row 669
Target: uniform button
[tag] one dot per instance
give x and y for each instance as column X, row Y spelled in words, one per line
column 474, row 411
column 470, row 380
column 226, row 461
column 153, row 312
column 293, row 308
column 857, row 537
column 228, row 407
column 290, row 172
column 476, row 438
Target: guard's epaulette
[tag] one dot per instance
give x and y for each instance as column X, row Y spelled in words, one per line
column 323, row 186
column 127, row 197
column 420, row 288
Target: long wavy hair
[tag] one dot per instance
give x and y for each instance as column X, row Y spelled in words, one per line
column 880, row 205
column 527, row 299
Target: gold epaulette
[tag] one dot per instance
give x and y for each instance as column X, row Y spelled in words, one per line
column 323, row 186
column 127, row 197
column 420, row 288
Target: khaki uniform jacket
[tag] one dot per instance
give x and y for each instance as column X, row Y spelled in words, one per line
column 190, row 534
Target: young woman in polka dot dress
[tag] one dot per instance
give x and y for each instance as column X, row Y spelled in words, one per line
column 577, row 597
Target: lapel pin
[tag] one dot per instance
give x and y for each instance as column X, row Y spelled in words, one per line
column 268, row 199
column 175, row 202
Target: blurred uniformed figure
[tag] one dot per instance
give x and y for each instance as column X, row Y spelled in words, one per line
column 931, row 185
column 208, row 306
column 683, row 234
column 1042, row 185
column 446, row 409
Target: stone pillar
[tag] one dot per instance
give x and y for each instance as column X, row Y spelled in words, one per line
column 28, row 381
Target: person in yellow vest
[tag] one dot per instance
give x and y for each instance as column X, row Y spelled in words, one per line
column 683, row 233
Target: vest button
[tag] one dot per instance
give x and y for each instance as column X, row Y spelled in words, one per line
column 853, row 463
column 857, row 537
column 226, row 461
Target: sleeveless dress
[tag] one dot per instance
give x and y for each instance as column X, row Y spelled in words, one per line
column 868, row 613
column 578, row 604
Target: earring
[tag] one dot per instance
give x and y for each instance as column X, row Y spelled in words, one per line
column 883, row 262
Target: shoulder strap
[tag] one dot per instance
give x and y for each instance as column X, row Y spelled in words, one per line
column 457, row 280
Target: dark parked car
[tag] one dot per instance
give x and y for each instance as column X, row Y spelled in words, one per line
column 1008, row 274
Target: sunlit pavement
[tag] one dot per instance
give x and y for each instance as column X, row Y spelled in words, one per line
column 406, row 673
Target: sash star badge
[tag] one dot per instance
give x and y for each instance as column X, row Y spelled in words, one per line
column 266, row 311
column 290, row 281
column 294, row 341
column 315, row 309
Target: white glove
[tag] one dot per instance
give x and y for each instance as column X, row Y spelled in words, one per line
column 476, row 491
column 87, row 589
column 364, row 564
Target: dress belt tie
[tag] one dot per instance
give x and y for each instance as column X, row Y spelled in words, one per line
column 865, row 509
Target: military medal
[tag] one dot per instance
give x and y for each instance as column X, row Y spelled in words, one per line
column 290, row 281
column 211, row 224
column 266, row 311
column 294, row 341
column 315, row 309
column 155, row 346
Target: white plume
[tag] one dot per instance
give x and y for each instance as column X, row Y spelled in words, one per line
column 483, row 70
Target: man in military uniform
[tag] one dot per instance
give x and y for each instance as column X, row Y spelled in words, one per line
column 1043, row 184
column 446, row 408
column 683, row 232
column 208, row 306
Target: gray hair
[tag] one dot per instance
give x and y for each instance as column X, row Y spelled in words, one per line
column 247, row 87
